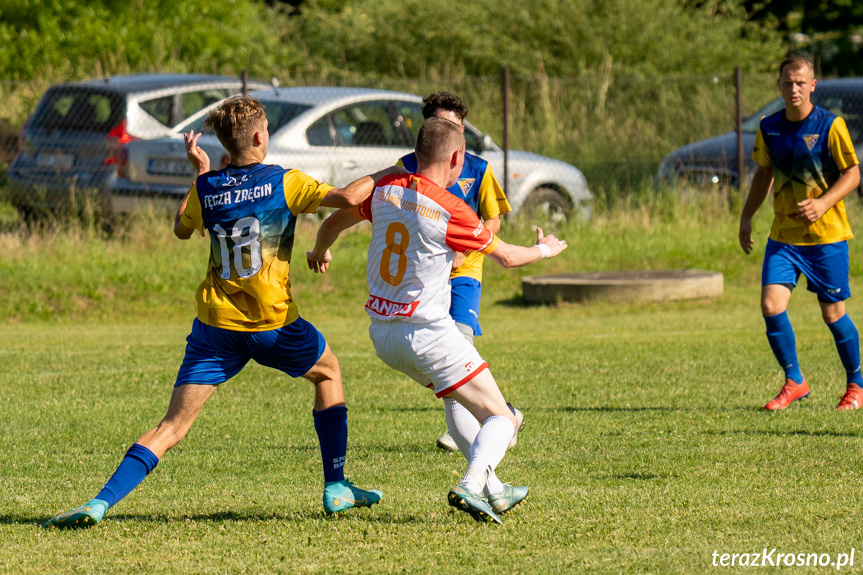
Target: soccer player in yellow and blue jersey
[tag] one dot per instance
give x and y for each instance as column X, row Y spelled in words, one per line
column 479, row 189
column 245, row 307
column 805, row 152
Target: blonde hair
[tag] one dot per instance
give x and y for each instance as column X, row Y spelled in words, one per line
column 795, row 63
column 438, row 138
column 235, row 121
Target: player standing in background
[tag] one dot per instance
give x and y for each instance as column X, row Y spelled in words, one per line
column 245, row 308
column 806, row 153
column 417, row 227
column 479, row 189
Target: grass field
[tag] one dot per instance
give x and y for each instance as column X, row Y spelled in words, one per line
column 644, row 446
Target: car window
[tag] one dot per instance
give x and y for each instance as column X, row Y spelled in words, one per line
column 162, row 109
column 69, row 108
column 194, row 101
column 367, row 124
column 278, row 114
column 320, row 133
column 412, row 115
column 472, row 140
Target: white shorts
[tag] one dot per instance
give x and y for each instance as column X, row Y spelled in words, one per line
column 435, row 355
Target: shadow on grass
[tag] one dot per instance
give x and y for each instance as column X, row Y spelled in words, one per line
column 23, row 520
column 364, row 515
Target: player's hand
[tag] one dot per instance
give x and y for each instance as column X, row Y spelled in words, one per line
column 745, row 236
column 810, row 210
column 319, row 263
column 458, row 260
column 197, row 156
column 555, row 245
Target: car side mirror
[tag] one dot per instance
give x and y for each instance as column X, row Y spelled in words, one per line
column 486, row 143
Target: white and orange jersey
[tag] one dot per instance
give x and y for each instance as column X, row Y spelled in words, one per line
column 417, row 227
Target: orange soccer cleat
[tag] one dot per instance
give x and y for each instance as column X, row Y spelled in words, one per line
column 791, row 391
column 853, row 398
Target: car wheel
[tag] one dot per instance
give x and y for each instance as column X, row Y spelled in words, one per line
column 548, row 205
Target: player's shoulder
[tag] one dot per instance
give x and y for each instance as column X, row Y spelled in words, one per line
column 475, row 164
column 772, row 121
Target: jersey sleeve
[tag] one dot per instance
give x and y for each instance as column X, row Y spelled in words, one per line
column 191, row 216
column 492, row 201
column 303, row 193
column 760, row 153
column 466, row 233
column 841, row 145
column 363, row 211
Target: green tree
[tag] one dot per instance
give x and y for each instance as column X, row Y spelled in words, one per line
column 828, row 31
column 71, row 38
column 569, row 37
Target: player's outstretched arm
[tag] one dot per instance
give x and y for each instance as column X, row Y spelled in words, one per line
column 761, row 182
column 358, row 190
column 319, row 257
column 511, row 256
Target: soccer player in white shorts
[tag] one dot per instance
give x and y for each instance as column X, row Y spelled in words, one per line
column 417, row 227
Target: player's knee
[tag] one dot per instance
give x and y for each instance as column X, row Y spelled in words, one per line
column 326, row 369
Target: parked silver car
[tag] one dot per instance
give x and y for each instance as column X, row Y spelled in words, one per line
column 713, row 162
column 339, row 134
column 72, row 141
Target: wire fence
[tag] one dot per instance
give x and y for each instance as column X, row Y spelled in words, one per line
column 575, row 144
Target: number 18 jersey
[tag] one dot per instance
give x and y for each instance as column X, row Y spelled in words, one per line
column 416, row 228
column 250, row 213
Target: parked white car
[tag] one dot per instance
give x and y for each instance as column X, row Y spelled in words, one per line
column 339, row 134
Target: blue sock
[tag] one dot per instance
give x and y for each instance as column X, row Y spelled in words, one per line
column 848, row 345
column 780, row 334
column 136, row 465
column 331, row 426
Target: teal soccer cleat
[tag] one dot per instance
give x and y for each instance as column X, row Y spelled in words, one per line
column 341, row 495
column 86, row 516
column 509, row 498
column 471, row 503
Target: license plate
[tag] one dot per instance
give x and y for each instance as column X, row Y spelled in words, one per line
column 170, row 168
column 55, row 160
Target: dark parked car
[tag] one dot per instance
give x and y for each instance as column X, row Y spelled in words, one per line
column 73, row 139
column 713, row 162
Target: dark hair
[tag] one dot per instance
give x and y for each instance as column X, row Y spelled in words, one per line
column 235, row 122
column 437, row 139
column 796, row 63
column 444, row 101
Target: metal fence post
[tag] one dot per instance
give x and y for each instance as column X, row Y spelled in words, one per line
column 741, row 176
column 505, row 88
column 245, row 82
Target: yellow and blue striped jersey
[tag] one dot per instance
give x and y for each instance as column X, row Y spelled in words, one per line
column 807, row 158
column 479, row 189
column 250, row 214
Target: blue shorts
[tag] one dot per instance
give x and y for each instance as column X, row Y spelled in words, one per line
column 464, row 307
column 215, row 355
column 825, row 266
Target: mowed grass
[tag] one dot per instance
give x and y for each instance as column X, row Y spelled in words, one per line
column 645, row 447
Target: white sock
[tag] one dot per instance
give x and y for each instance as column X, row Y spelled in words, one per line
column 463, row 427
column 487, row 451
